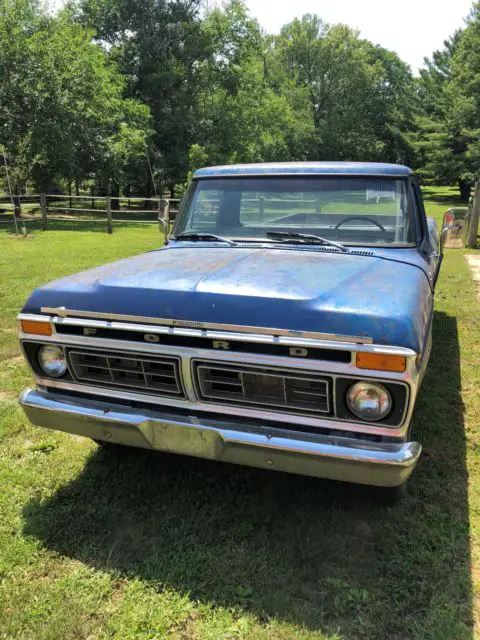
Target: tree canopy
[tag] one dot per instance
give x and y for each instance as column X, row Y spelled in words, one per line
column 63, row 113
column 135, row 95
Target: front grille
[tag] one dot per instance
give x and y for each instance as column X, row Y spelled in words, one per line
column 280, row 390
column 152, row 375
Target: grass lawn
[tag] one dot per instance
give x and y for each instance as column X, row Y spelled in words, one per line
column 141, row 545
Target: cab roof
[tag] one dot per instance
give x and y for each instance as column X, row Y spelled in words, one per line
column 305, row 168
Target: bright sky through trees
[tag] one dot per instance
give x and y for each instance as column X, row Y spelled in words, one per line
column 412, row 28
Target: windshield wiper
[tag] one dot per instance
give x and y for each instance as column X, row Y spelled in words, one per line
column 207, row 237
column 307, row 237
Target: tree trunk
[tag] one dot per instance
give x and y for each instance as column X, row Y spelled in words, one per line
column 115, row 193
column 464, row 187
column 17, row 206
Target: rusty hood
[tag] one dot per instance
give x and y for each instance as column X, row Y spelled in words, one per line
column 328, row 292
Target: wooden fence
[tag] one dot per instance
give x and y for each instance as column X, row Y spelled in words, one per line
column 106, row 210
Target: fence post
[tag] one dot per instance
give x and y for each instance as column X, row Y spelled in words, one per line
column 166, row 213
column 108, row 202
column 93, row 199
column 474, row 218
column 262, row 207
column 164, row 217
column 43, row 209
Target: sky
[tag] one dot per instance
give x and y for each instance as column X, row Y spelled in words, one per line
column 412, row 28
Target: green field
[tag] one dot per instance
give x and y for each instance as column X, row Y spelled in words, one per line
column 141, row 545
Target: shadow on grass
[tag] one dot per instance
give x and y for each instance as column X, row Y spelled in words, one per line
column 450, row 199
column 320, row 554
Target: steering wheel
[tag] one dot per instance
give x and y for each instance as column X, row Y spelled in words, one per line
column 372, row 220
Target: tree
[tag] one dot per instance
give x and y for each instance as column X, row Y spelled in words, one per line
column 463, row 94
column 158, row 49
column 240, row 116
column 62, row 111
column 356, row 91
column 19, row 20
column 393, row 116
column 440, row 140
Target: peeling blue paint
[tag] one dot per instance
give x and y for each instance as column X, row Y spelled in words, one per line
column 281, row 288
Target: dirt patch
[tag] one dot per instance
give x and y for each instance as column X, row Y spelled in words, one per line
column 454, row 243
column 4, row 395
column 474, row 264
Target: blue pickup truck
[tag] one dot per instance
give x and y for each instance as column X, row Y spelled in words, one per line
column 286, row 324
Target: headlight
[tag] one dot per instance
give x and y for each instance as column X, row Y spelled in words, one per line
column 52, row 361
column 369, row 400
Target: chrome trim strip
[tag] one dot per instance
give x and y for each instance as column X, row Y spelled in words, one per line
column 218, row 335
column 61, row 312
column 339, row 458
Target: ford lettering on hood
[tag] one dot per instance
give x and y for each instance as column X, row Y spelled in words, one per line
column 334, row 293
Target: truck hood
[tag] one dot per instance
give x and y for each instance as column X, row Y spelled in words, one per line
column 338, row 293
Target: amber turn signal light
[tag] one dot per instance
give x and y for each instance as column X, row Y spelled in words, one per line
column 381, row 362
column 36, row 328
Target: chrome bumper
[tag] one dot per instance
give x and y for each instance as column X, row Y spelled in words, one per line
column 337, row 458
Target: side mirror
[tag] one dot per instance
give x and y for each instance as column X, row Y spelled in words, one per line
column 445, row 230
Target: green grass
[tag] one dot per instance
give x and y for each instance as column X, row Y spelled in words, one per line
column 139, row 545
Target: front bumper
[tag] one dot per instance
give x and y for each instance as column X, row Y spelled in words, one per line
column 336, row 458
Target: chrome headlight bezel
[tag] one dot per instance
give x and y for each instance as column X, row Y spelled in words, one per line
column 52, row 361
column 376, row 399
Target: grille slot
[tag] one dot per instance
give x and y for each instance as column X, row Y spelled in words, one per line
column 152, row 375
column 268, row 388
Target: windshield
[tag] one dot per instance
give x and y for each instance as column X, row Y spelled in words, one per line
column 353, row 211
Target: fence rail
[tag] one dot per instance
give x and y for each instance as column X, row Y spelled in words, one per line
column 50, row 207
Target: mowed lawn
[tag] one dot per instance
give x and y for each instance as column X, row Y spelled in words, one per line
column 142, row 545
